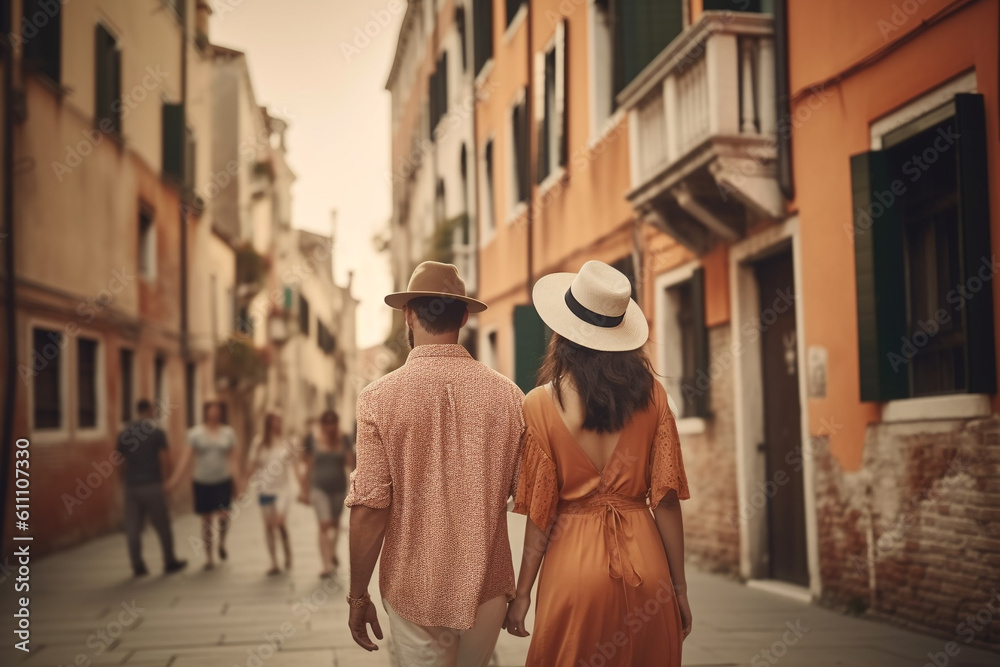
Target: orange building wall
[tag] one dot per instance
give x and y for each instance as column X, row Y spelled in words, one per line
column 826, row 38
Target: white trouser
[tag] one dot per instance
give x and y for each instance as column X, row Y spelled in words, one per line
column 422, row 646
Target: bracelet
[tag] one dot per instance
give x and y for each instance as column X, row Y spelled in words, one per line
column 358, row 603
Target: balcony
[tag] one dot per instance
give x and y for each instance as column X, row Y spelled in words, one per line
column 702, row 124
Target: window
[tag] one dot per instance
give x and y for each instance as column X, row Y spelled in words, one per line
column 438, row 92
column 460, row 29
column 43, row 51
column 174, row 136
column 627, row 266
column 324, row 339
column 303, row 316
column 147, row 243
column 86, row 382
column 190, row 389
column 639, row 30
column 921, row 236
column 126, row 370
column 491, row 353
column 531, row 337
column 482, row 37
column 47, row 386
column 159, row 382
column 512, row 8
column 684, row 341
column 107, row 78
column 550, row 104
column 489, row 218
column 517, row 153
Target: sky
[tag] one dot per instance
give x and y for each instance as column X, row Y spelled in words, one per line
column 309, row 63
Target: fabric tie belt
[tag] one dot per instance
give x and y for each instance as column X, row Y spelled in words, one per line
column 619, row 560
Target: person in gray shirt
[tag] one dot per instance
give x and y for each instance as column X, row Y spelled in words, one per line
column 217, row 470
column 145, row 454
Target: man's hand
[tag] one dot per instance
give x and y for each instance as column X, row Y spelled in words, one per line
column 360, row 617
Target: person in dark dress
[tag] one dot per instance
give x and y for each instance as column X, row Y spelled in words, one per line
column 327, row 461
column 145, row 454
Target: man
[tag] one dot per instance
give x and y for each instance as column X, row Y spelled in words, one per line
column 437, row 453
column 143, row 446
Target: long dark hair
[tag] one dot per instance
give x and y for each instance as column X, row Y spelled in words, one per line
column 612, row 385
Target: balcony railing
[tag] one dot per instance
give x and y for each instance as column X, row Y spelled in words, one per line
column 714, row 80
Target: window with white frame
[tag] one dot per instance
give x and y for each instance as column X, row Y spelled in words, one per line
column 517, row 154
column 47, row 347
column 147, row 243
column 126, row 379
column 601, row 66
column 922, row 237
column 550, row 104
column 87, row 378
column 488, row 212
column 683, row 335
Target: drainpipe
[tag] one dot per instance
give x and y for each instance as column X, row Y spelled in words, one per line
column 183, row 209
column 532, row 164
column 10, row 276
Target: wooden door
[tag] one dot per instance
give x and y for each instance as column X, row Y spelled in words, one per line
column 782, row 446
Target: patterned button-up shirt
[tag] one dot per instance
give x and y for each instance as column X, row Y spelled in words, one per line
column 439, row 444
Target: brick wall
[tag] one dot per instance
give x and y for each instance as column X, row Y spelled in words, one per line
column 711, row 528
column 914, row 536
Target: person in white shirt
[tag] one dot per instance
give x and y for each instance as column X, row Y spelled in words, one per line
column 272, row 457
column 216, row 458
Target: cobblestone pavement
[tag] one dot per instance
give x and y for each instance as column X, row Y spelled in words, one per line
column 86, row 610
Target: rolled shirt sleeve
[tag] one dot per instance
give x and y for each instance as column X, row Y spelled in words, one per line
column 371, row 481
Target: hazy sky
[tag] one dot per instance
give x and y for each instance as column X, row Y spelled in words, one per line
column 338, row 110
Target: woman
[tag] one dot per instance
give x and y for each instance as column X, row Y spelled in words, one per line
column 601, row 476
column 328, row 459
column 269, row 462
column 216, row 464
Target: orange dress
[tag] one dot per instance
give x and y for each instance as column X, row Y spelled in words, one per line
column 604, row 595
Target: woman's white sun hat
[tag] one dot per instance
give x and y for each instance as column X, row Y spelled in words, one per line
column 592, row 308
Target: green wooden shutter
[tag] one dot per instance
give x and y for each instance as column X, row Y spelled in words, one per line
column 699, row 401
column 102, row 73
column 561, row 124
column 443, row 86
column 523, row 137
column 541, row 119
column 115, row 88
column 974, row 235
column 645, row 27
column 881, row 290
column 173, row 141
column 530, row 339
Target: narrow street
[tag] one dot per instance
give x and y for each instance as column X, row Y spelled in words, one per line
column 87, row 610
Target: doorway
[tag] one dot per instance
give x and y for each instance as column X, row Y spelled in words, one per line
column 786, row 557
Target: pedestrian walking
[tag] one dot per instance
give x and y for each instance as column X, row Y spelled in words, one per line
column 271, row 458
column 601, row 451
column 438, row 446
column 327, row 461
column 215, row 456
column 146, row 458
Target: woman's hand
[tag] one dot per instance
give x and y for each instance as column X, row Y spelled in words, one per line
column 685, row 608
column 304, row 497
column 517, row 610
